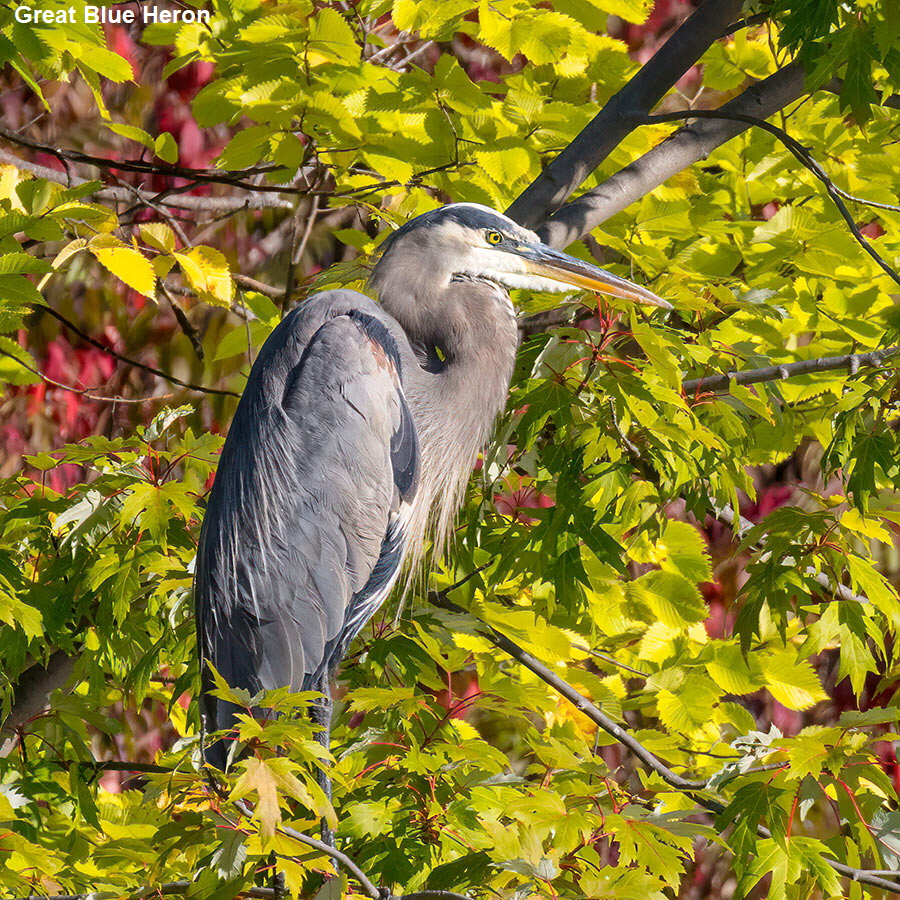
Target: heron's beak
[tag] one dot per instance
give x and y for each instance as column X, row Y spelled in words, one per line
column 546, row 262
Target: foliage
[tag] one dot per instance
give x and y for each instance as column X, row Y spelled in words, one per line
column 754, row 657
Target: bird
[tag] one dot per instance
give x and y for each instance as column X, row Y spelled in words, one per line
column 354, row 438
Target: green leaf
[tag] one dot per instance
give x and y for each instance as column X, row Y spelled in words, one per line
column 18, row 290
column 22, row 264
column 132, row 132
column 231, row 854
column 166, row 148
column 331, row 38
column 858, row 91
column 672, row 599
column 108, row 64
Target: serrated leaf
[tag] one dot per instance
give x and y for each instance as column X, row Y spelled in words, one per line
column 791, row 680
column 146, row 503
column 132, row 132
column 258, row 778
column 673, row 599
column 206, row 270
column 331, row 38
column 731, row 672
column 124, row 262
column 18, row 290
column 22, row 264
column 231, row 853
column 247, row 147
column 684, row 550
column 108, row 64
column 158, row 235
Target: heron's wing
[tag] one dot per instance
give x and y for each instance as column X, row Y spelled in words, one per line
column 305, row 521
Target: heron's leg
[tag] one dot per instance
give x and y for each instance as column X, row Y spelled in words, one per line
column 321, row 715
column 276, row 882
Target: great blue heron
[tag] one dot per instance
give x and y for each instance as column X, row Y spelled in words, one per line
column 356, row 433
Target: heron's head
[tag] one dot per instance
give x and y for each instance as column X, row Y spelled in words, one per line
column 470, row 240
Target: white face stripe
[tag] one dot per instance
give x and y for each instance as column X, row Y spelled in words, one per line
column 510, row 270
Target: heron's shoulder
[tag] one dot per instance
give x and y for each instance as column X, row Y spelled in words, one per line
column 339, row 302
column 303, row 323
column 300, row 325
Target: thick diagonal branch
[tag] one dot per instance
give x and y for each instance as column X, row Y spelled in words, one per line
column 32, row 692
column 865, row 876
column 623, row 113
column 688, row 145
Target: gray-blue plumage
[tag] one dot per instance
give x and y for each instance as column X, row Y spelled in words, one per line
column 303, row 530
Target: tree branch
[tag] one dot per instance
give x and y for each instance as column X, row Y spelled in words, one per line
column 197, row 176
column 852, row 361
column 175, row 888
column 581, row 703
column 439, row 599
column 623, row 113
column 568, row 314
column 32, row 693
column 841, row 592
column 351, row 867
column 123, row 195
column 131, row 362
column 677, row 152
column 166, row 889
column 87, row 393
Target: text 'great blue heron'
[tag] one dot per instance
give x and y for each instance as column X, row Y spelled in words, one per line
column 356, row 433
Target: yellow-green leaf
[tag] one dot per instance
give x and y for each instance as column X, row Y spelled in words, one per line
column 159, row 236
column 124, row 262
column 166, row 148
column 206, row 270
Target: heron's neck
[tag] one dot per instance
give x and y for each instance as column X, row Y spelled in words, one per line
column 469, row 336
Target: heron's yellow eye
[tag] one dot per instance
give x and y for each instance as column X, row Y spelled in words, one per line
column 494, row 237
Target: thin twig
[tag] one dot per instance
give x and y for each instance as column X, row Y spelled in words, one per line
column 614, row 662
column 327, row 849
column 175, row 888
column 692, row 788
column 167, row 889
column 82, row 392
column 234, row 178
column 184, row 323
column 415, row 54
column 747, row 22
column 196, row 177
column 259, row 286
column 229, row 205
column 742, row 526
column 295, row 256
column 71, row 326
column 852, row 361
